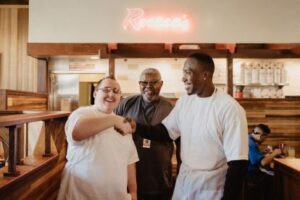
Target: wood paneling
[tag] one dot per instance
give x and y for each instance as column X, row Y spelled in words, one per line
column 281, row 115
column 18, row 71
column 44, row 50
column 16, row 100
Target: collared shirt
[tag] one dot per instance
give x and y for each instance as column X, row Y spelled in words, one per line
column 154, row 170
column 213, row 131
column 255, row 156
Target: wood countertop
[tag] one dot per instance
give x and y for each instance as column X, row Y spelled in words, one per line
column 292, row 163
column 10, row 120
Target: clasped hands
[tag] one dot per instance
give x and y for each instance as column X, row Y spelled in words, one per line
column 125, row 125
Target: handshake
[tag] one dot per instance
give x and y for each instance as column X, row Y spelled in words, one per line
column 125, row 125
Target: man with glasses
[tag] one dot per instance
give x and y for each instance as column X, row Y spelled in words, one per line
column 213, row 130
column 262, row 180
column 154, row 170
column 101, row 162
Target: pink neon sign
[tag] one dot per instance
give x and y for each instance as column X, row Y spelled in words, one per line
column 137, row 20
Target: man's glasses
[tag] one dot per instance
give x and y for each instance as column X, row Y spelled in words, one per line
column 107, row 90
column 145, row 83
column 258, row 133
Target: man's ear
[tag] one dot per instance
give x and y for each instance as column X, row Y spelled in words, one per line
column 206, row 75
column 94, row 94
column 161, row 83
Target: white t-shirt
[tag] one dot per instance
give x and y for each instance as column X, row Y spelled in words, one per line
column 97, row 166
column 213, row 131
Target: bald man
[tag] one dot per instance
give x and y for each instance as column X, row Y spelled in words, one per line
column 154, row 170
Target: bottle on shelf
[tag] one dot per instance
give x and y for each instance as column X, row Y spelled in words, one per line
column 283, row 75
column 238, row 93
column 255, row 73
column 263, row 74
column 246, row 92
column 242, row 74
column 248, row 75
column 277, row 73
column 270, row 74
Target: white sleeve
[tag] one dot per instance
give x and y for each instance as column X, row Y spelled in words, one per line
column 133, row 155
column 71, row 122
column 171, row 122
column 235, row 135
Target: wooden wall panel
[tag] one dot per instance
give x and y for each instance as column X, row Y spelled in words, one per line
column 281, row 115
column 18, row 71
column 17, row 101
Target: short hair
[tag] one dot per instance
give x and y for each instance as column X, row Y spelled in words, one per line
column 104, row 78
column 151, row 71
column 205, row 61
column 265, row 128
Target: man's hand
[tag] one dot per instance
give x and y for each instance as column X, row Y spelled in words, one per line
column 132, row 123
column 122, row 125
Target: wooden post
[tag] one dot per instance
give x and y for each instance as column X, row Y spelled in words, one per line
column 229, row 73
column 20, row 147
column 111, row 63
column 47, row 139
column 12, row 154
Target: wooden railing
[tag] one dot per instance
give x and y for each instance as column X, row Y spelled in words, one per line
column 17, row 170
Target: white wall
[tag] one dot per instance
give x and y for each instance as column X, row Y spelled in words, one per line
column 216, row 21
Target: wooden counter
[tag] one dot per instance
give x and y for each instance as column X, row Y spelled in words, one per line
column 287, row 178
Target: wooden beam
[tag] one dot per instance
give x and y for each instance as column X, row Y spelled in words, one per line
column 169, row 47
column 111, row 63
column 44, row 50
column 14, row 2
column 229, row 74
column 111, row 47
column 265, row 53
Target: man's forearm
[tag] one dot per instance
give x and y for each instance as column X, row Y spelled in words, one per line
column 236, row 174
column 157, row 132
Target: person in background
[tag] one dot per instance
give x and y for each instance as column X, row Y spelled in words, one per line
column 258, row 174
column 100, row 161
column 213, row 130
column 154, row 170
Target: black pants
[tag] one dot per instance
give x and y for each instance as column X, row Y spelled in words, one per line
column 162, row 196
column 260, row 186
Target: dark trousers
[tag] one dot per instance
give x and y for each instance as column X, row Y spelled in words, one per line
column 162, row 196
column 260, row 186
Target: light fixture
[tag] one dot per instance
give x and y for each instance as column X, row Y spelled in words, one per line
column 189, row 47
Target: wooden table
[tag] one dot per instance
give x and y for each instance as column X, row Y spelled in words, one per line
column 287, row 178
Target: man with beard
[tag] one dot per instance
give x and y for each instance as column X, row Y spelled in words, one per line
column 154, row 170
column 213, row 130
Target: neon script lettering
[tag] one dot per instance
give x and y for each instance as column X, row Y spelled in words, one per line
column 137, row 21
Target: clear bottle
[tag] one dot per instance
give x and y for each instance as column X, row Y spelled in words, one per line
column 283, row 75
column 255, row 73
column 242, row 74
column 247, row 92
column 277, row 73
column 263, row 75
column 270, row 74
column 248, row 75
